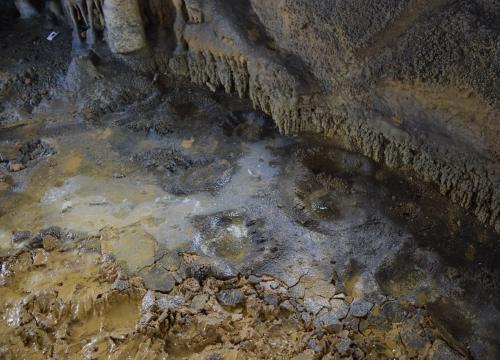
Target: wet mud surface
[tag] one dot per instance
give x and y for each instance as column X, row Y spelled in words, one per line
column 184, row 226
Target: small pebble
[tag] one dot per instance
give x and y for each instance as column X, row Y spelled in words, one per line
column 360, row 308
column 66, row 206
column 314, row 346
column 330, row 323
column 231, row 297
column 287, row 305
column 170, row 302
column 39, row 257
column 252, row 279
column 49, row 242
column 148, row 300
column 15, row 167
column 120, row 285
column 343, row 345
column 271, row 299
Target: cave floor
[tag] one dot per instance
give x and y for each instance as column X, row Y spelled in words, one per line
column 187, row 226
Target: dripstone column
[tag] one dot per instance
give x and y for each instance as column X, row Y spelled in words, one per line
column 124, row 26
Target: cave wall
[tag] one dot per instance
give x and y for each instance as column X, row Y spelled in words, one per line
column 413, row 84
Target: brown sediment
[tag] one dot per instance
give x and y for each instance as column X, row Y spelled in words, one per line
column 200, row 232
column 56, row 301
column 88, row 307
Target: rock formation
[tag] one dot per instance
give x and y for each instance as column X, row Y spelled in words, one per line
column 124, row 25
column 413, row 84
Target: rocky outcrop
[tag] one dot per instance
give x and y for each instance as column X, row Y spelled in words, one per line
column 412, row 84
column 394, row 88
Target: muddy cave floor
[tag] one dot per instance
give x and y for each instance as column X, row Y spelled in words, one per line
column 188, row 227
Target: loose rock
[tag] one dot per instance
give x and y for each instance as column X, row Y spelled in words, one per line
column 40, row 257
column 314, row 305
column 343, row 345
column 120, row 285
column 360, row 308
column 158, row 279
column 170, row 302
column 231, row 297
column 15, row 167
column 49, row 242
column 339, row 308
column 330, row 323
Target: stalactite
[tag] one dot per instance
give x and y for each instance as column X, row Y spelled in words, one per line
column 159, row 11
column 95, row 20
column 125, row 29
column 179, row 25
column 53, row 8
column 194, row 11
column 272, row 89
column 25, row 8
column 467, row 187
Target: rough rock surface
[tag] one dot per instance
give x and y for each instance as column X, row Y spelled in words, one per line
column 411, row 84
column 399, row 82
column 125, row 30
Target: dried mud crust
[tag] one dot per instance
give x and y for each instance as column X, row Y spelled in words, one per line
column 88, row 307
